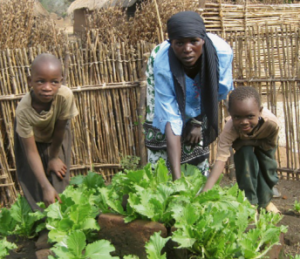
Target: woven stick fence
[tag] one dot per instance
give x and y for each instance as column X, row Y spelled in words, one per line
column 105, row 79
column 225, row 18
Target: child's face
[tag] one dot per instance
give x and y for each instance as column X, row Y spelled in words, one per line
column 245, row 115
column 45, row 80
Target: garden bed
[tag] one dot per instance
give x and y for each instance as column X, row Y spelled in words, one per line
column 130, row 238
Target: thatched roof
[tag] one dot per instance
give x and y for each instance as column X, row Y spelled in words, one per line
column 39, row 10
column 97, row 4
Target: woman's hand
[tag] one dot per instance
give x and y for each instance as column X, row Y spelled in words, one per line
column 193, row 134
column 58, row 167
column 49, row 195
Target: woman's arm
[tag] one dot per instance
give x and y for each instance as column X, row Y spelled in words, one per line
column 55, row 164
column 35, row 163
column 173, row 151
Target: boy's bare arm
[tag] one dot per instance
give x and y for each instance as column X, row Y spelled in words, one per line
column 214, row 175
column 35, row 163
column 55, row 164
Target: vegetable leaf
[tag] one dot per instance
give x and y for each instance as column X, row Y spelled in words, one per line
column 7, row 223
column 25, row 219
column 5, row 247
column 99, row 249
column 155, row 245
column 76, row 243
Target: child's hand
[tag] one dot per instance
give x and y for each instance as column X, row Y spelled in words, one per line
column 49, row 195
column 58, row 167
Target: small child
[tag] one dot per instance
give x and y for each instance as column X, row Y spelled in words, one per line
column 42, row 133
column 253, row 133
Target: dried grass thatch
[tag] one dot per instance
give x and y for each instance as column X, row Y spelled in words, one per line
column 21, row 27
column 38, row 9
column 148, row 23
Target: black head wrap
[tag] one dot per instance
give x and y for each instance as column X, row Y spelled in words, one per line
column 189, row 24
column 186, row 25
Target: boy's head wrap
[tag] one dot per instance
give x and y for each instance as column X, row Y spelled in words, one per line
column 186, row 24
column 189, row 24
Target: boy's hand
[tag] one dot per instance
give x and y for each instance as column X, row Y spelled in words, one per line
column 49, row 195
column 58, row 167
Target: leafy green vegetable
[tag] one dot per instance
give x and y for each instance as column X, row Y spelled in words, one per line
column 5, row 247
column 91, row 180
column 7, row 223
column 214, row 225
column 155, row 245
column 20, row 220
column 297, row 206
column 76, row 212
column 150, row 192
column 74, row 246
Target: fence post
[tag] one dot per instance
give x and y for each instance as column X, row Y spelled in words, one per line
column 141, row 111
column 66, row 67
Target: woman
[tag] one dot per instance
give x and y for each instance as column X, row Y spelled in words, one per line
column 187, row 76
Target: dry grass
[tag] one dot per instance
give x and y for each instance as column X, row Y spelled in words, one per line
column 113, row 23
column 20, row 28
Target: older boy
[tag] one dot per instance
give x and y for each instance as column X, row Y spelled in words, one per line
column 42, row 133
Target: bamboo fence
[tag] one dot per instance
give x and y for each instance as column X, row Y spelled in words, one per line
column 224, row 18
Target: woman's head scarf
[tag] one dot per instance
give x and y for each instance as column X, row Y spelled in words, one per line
column 186, row 24
column 189, row 24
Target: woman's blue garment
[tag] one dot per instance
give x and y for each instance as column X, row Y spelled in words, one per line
column 166, row 107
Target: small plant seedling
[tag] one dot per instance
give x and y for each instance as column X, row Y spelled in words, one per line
column 297, row 206
column 130, row 162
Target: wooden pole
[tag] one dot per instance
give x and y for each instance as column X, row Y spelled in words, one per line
column 161, row 33
column 66, row 67
column 141, row 113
